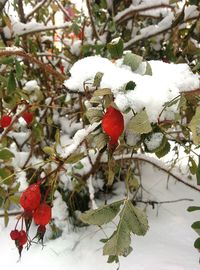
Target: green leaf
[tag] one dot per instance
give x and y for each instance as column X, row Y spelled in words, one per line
column 94, row 115
column 101, row 141
column 196, row 226
column 11, row 84
column 6, row 218
column 194, row 126
column 74, row 158
column 112, row 259
column 48, row 150
column 198, row 172
column 6, row 176
column 139, row 123
column 14, row 199
column 130, row 86
column 132, row 220
column 193, row 208
column 115, row 48
column 97, row 79
column 197, row 243
column 192, row 166
column 163, row 151
column 7, row 60
column 132, row 60
column 5, row 154
column 102, row 215
column 37, row 132
column 148, row 70
column 19, row 70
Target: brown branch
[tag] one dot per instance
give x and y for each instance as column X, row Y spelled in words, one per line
column 11, row 214
column 47, row 68
column 92, row 20
column 63, row 9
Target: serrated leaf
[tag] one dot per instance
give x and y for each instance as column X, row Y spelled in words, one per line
column 115, row 48
column 97, row 79
column 132, row 60
column 132, row 220
column 196, row 226
column 148, row 70
column 198, row 172
column 5, row 154
column 193, row 208
column 11, row 85
column 139, row 123
column 94, row 115
column 102, row 215
column 74, row 158
column 102, row 92
column 194, row 126
column 48, row 150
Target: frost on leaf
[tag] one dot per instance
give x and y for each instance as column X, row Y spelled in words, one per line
column 132, row 220
column 139, row 123
column 102, row 215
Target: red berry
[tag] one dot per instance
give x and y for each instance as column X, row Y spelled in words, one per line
column 5, row 121
column 42, row 214
column 113, row 124
column 14, row 235
column 28, row 117
column 22, row 239
column 30, row 198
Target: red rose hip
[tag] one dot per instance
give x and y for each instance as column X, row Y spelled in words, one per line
column 30, row 198
column 14, row 235
column 22, row 239
column 113, row 124
column 42, row 214
column 5, row 121
column 28, row 117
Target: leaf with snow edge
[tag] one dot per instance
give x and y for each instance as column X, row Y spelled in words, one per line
column 132, row 220
column 193, row 208
column 73, row 158
column 102, row 92
column 148, row 70
column 11, row 84
column 102, row 215
column 115, row 48
column 194, row 126
column 101, row 141
column 5, row 154
column 132, row 60
column 139, row 123
column 196, row 226
column 97, row 79
column 94, row 115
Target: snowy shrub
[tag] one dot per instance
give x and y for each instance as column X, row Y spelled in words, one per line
column 86, row 95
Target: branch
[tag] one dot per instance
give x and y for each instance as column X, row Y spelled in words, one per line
column 157, row 31
column 11, row 214
column 92, row 20
column 133, row 10
column 35, row 9
column 47, row 68
column 63, row 9
column 152, row 203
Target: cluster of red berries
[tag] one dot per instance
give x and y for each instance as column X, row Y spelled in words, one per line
column 6, row 120
column 35, row 210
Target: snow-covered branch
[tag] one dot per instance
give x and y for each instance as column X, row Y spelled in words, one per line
column 35, row 9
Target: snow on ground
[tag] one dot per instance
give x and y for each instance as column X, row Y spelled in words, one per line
column 168, row 245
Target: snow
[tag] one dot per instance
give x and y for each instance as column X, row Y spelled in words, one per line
column 31, row 86
column 154, row 141
column 167, row 245
column 151, row 92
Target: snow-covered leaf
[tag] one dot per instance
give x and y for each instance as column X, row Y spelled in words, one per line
column 132, row 60
column 132, row 220
column 148, row 70
column 139, row 123
column 115, row 48
column 102, row 215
